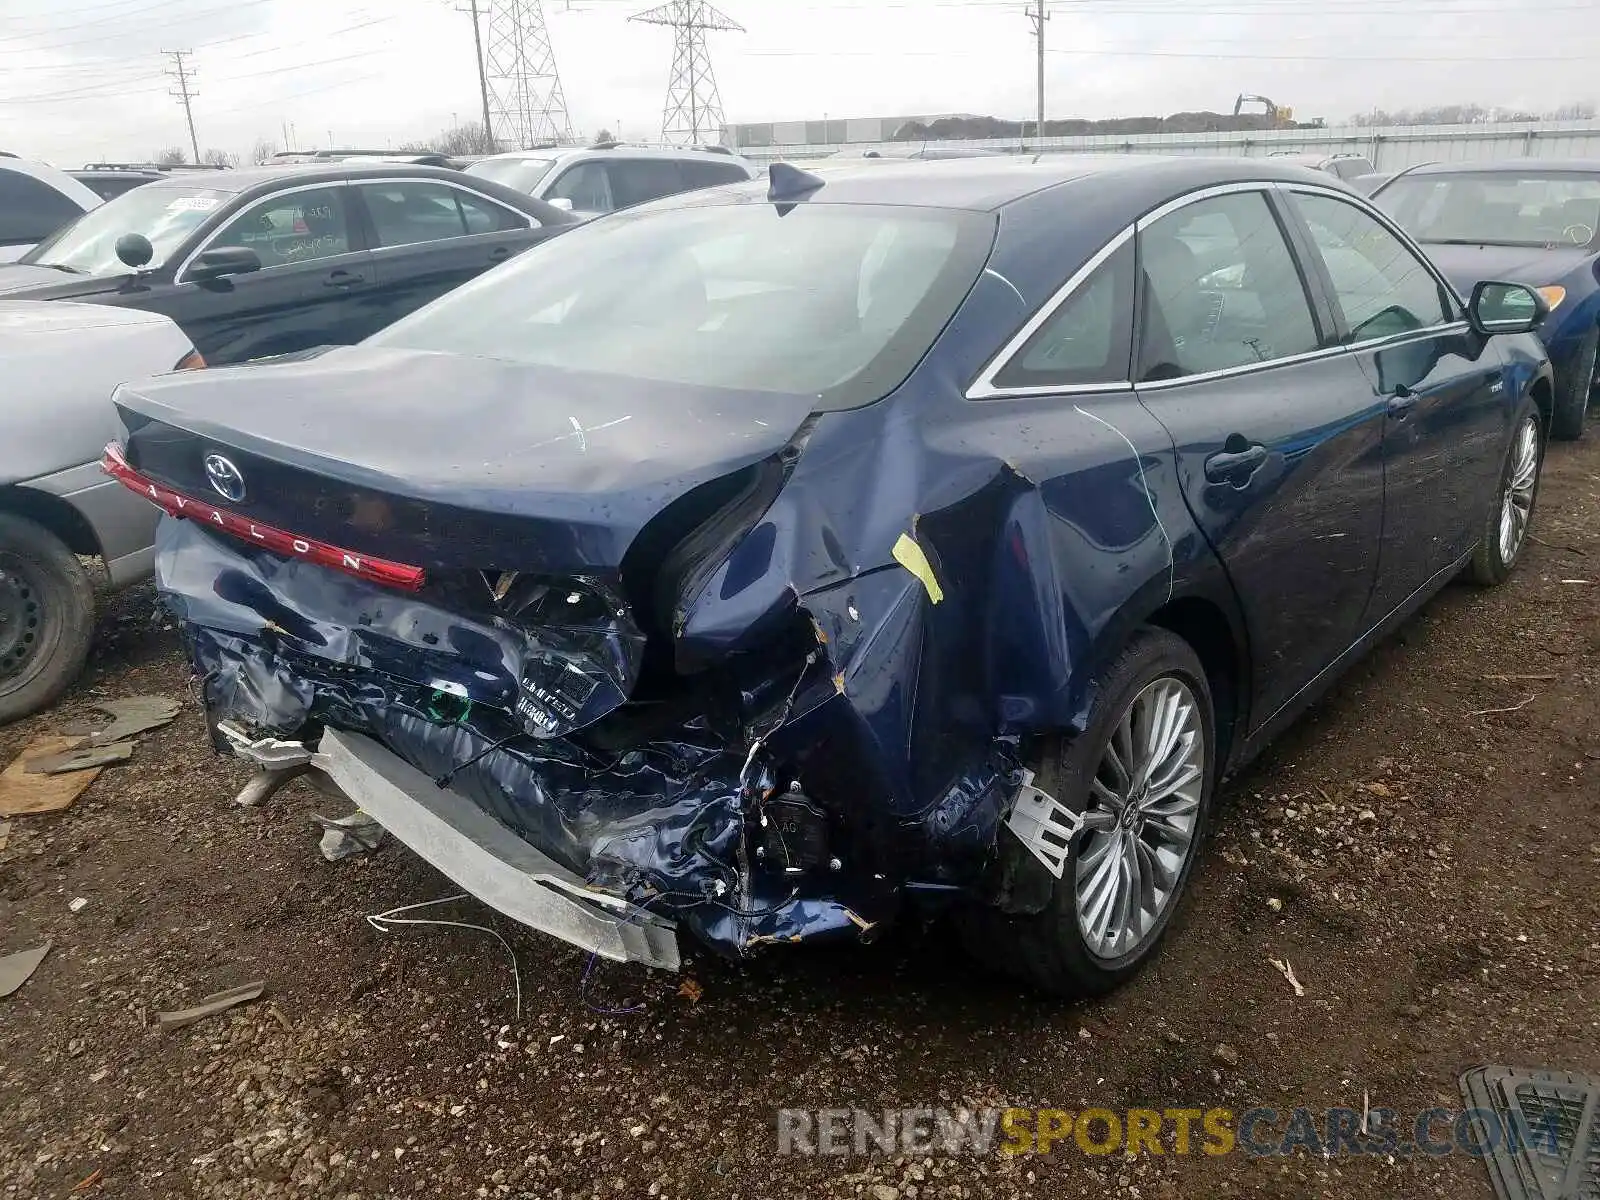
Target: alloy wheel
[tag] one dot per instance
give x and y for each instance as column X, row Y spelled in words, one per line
column 1140, row 828
column 1516, row 501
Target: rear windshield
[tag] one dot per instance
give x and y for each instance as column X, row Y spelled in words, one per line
column 1497, row 207
column 164, row 213
column 519, row 173
column 833, row 301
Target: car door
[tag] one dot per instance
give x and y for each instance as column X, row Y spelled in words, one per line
column 429, row 236
column 1438, row 382
column 315, row 275
column 1278, row 438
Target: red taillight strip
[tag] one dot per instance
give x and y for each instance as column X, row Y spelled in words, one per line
column 363, row 566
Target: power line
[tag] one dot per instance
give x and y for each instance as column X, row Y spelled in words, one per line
column 181, row 72
column 693, row 111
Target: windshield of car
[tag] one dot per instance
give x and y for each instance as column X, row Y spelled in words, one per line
column 833, row 301
column 164, row 213
column 520, row 173
column 1497, row 207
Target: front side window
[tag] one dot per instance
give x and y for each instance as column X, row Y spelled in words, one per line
column 293, row 228
column 164, row 213
column 1383, row 288
column 1087, row 339
column 1221, row 290
column 1496, row 208
column 586, row 187
column 833, row 302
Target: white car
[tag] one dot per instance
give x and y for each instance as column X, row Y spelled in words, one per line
column 594, row 180
column 62, row 362
column 35, row 201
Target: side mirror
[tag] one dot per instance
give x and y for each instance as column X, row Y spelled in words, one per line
column 564, row 203
column 221, row 261
column 1506, row 308
column 134, row 249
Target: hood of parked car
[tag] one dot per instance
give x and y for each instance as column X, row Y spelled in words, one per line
column 26, row 281
column 472, row 462
column 1536, row 266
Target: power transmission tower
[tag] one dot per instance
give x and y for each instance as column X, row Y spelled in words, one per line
column 483, row 78
column 184, row 75
column 526, row 103
column 1038, row 16
column 693, row 112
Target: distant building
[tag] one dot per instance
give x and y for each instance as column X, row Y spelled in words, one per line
column 832, row 132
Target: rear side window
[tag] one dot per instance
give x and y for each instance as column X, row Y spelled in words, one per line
column 31, row 211
column 1221, row 290
column 413, row 211
column 710, row 173
column 485, row 216
column 634, row 181
column 1088, row 338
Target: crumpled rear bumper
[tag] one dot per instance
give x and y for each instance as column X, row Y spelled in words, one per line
column 483, row 856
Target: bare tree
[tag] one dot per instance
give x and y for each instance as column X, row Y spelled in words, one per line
column 218, row 158
column 172, row 156
column 263, row 150
column 605, row 135
column 470, row 138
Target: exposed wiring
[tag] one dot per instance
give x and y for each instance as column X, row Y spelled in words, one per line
column 382, row 922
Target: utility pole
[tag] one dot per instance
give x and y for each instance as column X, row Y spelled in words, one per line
column 483, row 78
column 1038, row 16
column 182, row 74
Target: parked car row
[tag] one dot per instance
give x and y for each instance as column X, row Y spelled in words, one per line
column 769, row 562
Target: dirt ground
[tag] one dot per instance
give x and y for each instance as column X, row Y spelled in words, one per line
column 1423, row 849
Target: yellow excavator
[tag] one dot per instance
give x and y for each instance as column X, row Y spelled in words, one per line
column 1281, row 117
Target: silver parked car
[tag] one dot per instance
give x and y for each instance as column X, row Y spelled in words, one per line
column 35, row 201
column 594, row 180
column 62, row 362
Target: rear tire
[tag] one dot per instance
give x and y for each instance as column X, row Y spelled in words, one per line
column 46, row 617
column 1573, row 389
column 1134, row 867
column 1509, row 521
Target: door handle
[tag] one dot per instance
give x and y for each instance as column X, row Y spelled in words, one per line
column 500, row 254
column 1401, row 401
column 343, row 278
column 1236, row 466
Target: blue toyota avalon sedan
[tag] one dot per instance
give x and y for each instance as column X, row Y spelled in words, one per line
column 1524, row 220
column 766, row 563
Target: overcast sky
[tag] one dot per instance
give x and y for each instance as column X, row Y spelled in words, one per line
column 82, row 79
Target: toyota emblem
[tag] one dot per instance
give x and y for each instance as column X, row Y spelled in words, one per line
column 226, row 480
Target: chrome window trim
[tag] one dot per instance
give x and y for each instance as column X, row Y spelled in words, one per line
column 177, row 276
column 984, row 387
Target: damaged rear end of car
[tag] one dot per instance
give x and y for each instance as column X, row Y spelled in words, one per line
column 593, row 643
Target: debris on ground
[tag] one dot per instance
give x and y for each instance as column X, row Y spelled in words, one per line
column 344, row 837
column 16, row 968
column 691, row 990
column 1226, row 1055
column 23, row 793
column 1286, row 969
column 77, row 905
column 212, row 1005
column 5, row 834
column 80, row 759
column 133, row 715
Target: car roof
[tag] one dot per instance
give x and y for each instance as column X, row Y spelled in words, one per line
column 83, row 196
column 1511, row 166
column 266, row 179
column 616, row 150
column 986, row 184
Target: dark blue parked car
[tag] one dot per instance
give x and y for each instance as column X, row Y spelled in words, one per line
column 767, row 561
column 1525, row 220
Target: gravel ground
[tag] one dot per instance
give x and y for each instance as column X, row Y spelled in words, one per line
column 1426, row 864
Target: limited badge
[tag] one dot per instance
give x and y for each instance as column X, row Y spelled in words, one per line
column 553, row 695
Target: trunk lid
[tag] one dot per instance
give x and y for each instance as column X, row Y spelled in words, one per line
column 444, row 461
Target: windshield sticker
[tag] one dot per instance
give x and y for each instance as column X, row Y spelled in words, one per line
column 192, row 204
